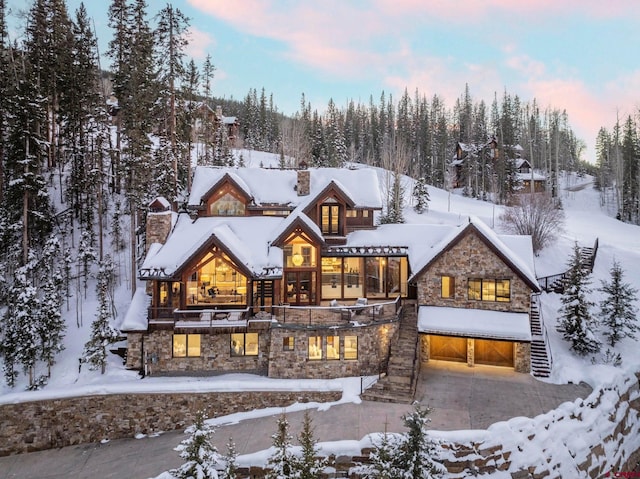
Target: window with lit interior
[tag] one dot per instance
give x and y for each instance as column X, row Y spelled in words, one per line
column 186, row 345
column 315, row 347
column 244, row 344
column 489, row 289
column 333, row 347
column 448, row 287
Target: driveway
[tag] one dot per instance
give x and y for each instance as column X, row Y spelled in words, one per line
column 462, row 398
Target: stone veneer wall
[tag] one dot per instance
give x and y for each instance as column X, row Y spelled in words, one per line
column 158, row 227
column 373, row 352
column 38, row 425
column 303, row 186
column 600, row 437
column 215, row 353
column 471, row 258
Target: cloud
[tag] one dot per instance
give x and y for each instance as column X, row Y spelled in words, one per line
column 199, row 43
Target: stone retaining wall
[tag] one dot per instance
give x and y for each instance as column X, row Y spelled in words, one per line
column 38, row 425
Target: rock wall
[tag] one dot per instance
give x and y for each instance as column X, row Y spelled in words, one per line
column 592, row 438
column 38, row 425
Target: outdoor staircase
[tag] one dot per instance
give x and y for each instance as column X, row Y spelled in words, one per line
column 540, row 360
column 399, row 384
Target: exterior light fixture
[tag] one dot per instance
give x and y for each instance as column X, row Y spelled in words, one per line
column 297, row 259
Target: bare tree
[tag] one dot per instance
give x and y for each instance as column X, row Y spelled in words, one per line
column 538, row 215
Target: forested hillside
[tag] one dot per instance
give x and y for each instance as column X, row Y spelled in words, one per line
column 83, row 152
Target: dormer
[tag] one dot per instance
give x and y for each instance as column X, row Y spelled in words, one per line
column 329, row 212
column 228, row 197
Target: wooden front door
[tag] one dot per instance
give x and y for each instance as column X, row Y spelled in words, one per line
column 494, row 353
column 448, row 348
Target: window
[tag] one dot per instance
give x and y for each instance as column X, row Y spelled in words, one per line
column 448, row 287
column 244, row 344
column 288, row 343
column 365, row 213
column 503, row 290
column 299, row 253
column 490, row 290
column 351, row 347
column 352, row 213
column 186, row 345
column 315, row 347
column 330, row 219
column 333, row 347
column 227, row 205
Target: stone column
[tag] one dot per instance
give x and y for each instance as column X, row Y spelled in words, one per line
column 471, row 360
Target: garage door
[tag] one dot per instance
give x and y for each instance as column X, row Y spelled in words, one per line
column 448, row 348
column 495, row 353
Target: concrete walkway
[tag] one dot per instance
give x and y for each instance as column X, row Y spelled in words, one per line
column 462, row 398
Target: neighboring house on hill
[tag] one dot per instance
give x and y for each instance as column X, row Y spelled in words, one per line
column 465, row 155
column 527, row 175
column 285, row 273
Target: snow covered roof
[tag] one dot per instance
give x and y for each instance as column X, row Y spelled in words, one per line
column 247, row 239
column 136, row 317
column 474, row 323
column 417, row 238
column 277, row 187
column 527, row 176
column 520, row 260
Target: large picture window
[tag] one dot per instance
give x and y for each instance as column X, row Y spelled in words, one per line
column 186, row 345
column 244, row 344
column 489, row 289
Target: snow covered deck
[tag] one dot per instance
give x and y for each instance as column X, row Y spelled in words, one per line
column 474, row 323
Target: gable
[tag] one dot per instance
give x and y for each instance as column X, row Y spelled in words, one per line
column 486, row 243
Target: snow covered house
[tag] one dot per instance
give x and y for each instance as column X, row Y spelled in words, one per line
column 285, row 273
column 466, row 154
column 527, row 175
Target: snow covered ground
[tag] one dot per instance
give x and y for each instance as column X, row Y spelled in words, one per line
column 586, row 220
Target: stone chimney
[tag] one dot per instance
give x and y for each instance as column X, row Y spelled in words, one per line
column 303, row 187
column 159, row 221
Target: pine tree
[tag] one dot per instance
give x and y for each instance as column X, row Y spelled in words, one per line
column 201, row 456
column 421, row 196
column 230, row 465
column 86, row 257
column 308, row 465
column 617, row 309
column 51, row 324
column 394, row 213
column 417, row 450
column 20, row 329
column 281, row 463
column 383, row 460
column 102, row 333
column 576, row 322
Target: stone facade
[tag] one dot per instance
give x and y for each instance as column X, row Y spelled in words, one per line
column 522, row 358
column 158, row 227
column 215, row 353
column 38, row 425
column 303, row 186
column 373, row 341
column 471, row 258
column 373, row 352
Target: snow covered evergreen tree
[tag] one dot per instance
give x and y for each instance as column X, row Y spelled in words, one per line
column 308, row 465
column 281, row 463
column 383, row 459
column 395, row 202
column 20, row 336
column 86, row 257
column 417, row 451
column 230, row 465
column 421, row 196
column 576, row 323
column 51, row 324
column 102, row 333
column 201, row 456
column 617, row 309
